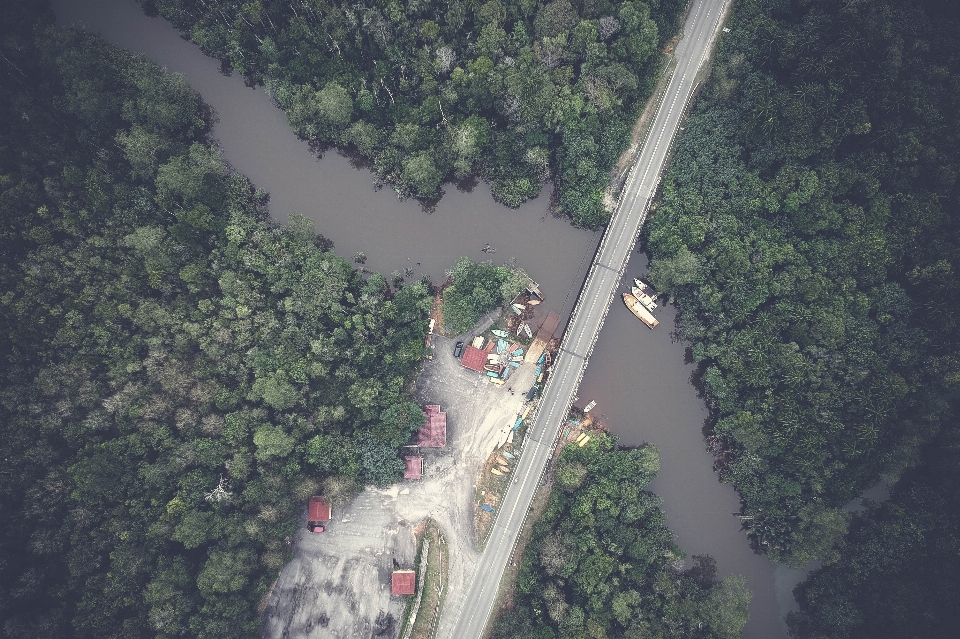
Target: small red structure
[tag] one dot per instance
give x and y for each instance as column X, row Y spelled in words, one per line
column 318, row 514
column 404, row 582
column 414, row 467
column 433, row 434
column 473, row 358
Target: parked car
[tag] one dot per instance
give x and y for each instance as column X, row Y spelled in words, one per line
column 458, row 350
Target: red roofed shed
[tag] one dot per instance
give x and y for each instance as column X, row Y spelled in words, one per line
column 404, row 582
column 433, row 434
column 319, row 510
column 473, row 358
column 414, row 467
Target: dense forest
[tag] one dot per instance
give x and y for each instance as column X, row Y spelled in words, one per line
column 898, row 572
column 601, row 562
column 179, row 374
column 514, row 92
column 809, row 234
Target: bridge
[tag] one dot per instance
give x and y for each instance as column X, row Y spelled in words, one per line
column 466, row 614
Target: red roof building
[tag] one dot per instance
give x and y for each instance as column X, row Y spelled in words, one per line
column 433, row 434
column 404, row 582
column 318, row 510
column 473, row 358
column 414, row 467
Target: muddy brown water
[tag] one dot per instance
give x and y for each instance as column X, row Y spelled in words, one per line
column 639, row 377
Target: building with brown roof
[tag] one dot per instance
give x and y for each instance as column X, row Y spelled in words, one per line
column 433, row 434
column 404, row 582
column 414, row 467
column 473, row 358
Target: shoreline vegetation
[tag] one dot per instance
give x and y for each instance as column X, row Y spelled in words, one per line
column 808, row 232
column 601, row 562
column 517, row 93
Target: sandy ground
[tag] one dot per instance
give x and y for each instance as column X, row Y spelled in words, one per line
column 338, row 583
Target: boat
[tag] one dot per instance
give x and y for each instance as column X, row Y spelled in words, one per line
column 589, row 407
column 516, row 309
column 499, row 333
column 533, row 302
column 520, row 329
column 487, row 508
column 517, row 352
column 645, row 299
column 492, row 368
column 501, row 460
column 508, row 455
column 580, row 437
column 505, row 373
column 583, row 442
column 520, row 306
column 495, row 380
column 526, row 329
column 637, row 309
column 501, row 345
column 517, row 359
column 477, row 342
column 495, row 471
column 503, row 469
column 515, row 364
column 643, row 286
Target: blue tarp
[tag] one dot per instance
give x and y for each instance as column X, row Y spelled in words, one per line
column 487, row 508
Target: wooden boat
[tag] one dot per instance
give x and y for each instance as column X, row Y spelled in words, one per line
column 644, row 299
column 637, row 309
column 533, row 302
column 520, row 328
column 503, row 469
column 499, row 333
column 520, row 306
column 492, row 368
column 526, row 328
column 496, row 380
column 501, row 460
column 583, row 442
column 495, row 471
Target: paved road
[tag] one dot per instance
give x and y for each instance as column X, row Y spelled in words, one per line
column 466, row 615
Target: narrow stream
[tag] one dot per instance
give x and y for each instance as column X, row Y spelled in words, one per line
column 639, row 378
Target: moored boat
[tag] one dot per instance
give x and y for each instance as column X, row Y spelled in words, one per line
column 499, row 333
column 644, row 299
column 638, row 309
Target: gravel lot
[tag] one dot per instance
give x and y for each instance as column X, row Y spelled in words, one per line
column 338, row 583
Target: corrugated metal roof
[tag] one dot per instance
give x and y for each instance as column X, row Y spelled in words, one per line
column 473, row 358
column 318, row 509
column 404, row 582
column 433, row 434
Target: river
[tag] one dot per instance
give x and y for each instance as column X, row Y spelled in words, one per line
column 640, row 378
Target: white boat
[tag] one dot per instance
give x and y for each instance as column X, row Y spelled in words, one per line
column 644, row 299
